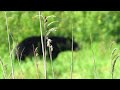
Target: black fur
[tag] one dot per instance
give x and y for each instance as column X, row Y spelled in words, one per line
column 28, row 45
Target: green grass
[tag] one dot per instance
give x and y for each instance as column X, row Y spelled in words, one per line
column 83, row 65
column 102, row 26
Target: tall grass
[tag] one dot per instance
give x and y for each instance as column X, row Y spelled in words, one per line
column 46, row 40
column 3, row 68
column 93, row 54
column 10, row 52
column 71, row 66
column 50, row 53
column 35, row 60
column 43, row 48
column 47, row 43
column 114, row 58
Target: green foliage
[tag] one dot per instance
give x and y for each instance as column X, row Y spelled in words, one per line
column 103, row 26
column 100, row 24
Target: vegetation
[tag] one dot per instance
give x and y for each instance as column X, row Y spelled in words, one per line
column 96, row 32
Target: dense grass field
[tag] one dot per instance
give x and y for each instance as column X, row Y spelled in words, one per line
column 84, row 66
column 97, row 58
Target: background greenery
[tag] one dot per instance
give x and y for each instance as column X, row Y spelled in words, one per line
column 102, row 26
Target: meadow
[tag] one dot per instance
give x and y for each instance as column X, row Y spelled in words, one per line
column 96, row 32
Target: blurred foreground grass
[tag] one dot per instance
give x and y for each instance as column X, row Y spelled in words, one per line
column 83, row 66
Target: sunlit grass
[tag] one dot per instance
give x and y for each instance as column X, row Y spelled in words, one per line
column 83, row 64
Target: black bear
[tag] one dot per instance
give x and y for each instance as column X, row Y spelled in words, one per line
column 27, row 46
